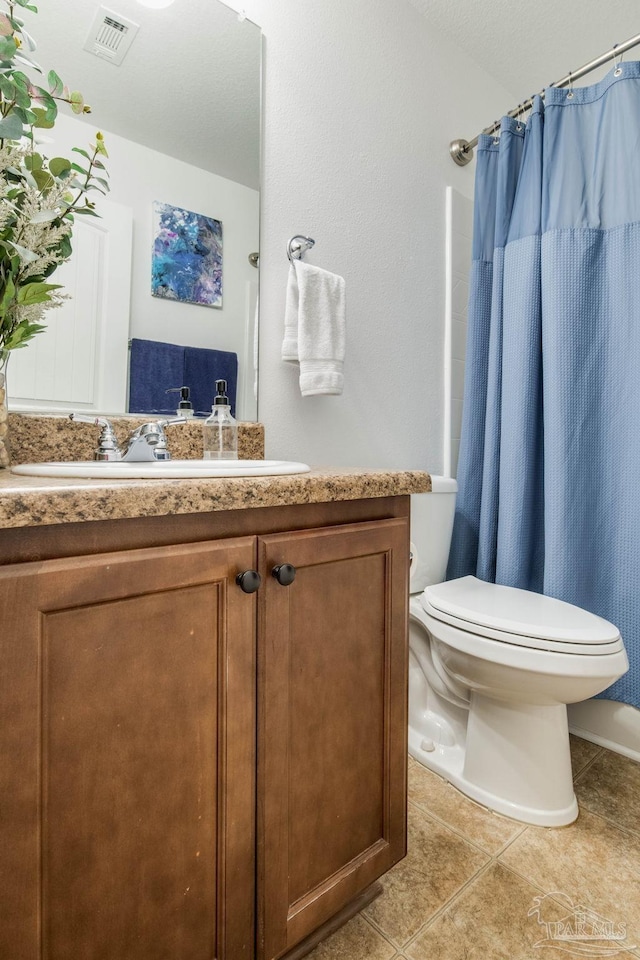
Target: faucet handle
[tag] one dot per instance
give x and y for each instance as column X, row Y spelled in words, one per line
column 83, row 418
column 167, row 423
column 107, row 448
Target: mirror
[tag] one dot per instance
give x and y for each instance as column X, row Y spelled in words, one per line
column 181, row 121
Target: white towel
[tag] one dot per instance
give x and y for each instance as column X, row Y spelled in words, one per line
column 314, row 328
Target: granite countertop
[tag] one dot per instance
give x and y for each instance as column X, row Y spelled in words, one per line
column 38, row 501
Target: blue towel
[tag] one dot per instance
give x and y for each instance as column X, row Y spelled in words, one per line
column 201, row 370
column 155, row 367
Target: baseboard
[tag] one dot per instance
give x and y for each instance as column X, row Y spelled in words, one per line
column 609, row 724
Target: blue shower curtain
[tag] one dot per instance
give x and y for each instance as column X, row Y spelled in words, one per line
column 549, row 465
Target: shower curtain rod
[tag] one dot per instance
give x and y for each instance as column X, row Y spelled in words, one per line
column 462, row 150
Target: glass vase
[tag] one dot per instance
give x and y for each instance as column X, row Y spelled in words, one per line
column 5, row 457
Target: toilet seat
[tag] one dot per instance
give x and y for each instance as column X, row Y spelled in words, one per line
column 519, row 617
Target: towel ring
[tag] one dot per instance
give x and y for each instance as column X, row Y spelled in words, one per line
column 297, row 246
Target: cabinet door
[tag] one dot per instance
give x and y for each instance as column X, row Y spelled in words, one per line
column 332, row 723
column 127, row 755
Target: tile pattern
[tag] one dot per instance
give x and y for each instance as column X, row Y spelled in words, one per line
column 611, row 788
column 478, row 886
column 437, row 865
column 582, row 754
column 356, row 939
column 435, row 796
column 592, row 862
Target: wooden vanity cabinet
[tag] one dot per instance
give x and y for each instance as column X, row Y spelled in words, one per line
column 332, row 724
column 143, row 695
column 127, row 725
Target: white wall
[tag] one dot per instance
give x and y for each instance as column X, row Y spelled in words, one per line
column 138, row 176
column 361, row 101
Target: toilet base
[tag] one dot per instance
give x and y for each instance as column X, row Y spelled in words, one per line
column 527, row 778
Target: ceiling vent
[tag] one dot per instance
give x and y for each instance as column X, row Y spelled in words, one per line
column 110, row 36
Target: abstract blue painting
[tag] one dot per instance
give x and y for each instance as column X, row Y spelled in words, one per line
column 186, row 263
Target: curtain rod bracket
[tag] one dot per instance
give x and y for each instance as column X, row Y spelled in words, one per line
column 461, row 152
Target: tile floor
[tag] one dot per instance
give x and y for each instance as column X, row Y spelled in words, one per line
column 468, row 883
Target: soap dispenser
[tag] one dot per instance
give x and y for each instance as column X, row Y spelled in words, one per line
column 220, row 430
column 185, row 407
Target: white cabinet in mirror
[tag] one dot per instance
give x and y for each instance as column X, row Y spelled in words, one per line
column 181, row 121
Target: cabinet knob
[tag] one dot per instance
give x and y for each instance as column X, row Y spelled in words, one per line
column 249, row 581
column 285, row 573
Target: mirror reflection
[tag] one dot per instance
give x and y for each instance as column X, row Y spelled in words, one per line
column 181, row 119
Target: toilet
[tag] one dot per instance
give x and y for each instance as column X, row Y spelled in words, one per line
column 491, row 671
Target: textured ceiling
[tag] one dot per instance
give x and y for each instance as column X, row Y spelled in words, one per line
column 189, row 87
column 527, row 46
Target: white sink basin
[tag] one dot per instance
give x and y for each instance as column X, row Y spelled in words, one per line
column 161, row 469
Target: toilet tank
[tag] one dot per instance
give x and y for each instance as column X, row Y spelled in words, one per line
column 431, row 528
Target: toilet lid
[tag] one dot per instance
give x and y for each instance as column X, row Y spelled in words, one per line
column 475, row 604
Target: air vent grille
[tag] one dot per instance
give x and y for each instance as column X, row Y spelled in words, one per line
column 110, row 35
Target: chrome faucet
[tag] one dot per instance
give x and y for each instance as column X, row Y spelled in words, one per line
column 146, row 443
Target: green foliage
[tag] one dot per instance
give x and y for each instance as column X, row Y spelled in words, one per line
column 35, row 292
column 39, row 198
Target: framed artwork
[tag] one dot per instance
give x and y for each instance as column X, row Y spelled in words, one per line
column 186, row 263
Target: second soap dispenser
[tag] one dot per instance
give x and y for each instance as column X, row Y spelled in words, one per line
column 185, row 407
column 220, row 430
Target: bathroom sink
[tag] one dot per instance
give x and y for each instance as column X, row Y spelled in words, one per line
column 161, row 469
